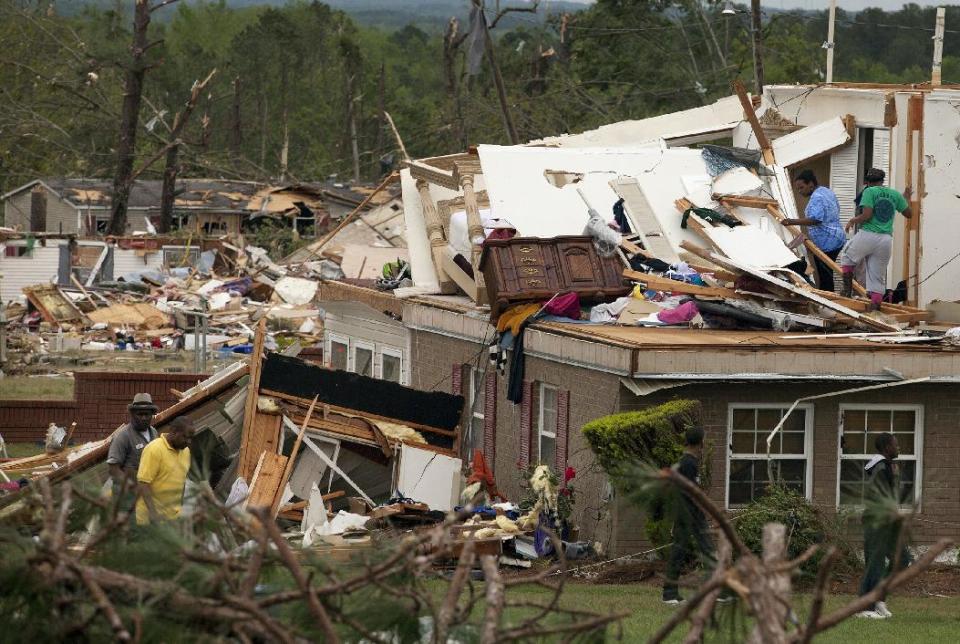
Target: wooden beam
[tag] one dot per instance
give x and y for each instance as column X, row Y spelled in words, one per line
column 288, row 469
column 666, row 284
column 746, row 202
column 751, row 116
column 813, row 248
column 250, row 406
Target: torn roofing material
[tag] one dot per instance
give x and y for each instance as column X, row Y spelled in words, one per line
column 687, row 126
column 356, row 392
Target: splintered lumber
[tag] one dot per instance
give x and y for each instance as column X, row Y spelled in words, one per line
column 813, row 248
column 301, row 505
column 264, row 435
column 666, row 284
column 288, row 470
column 250, row 406
column 751, row 115
column 716, row 271
column 803, row 293
column 746, row 202
column 266, row 483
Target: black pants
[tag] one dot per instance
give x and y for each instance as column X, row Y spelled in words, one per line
column 879, row 546
column 690, row 537
column 824, row 272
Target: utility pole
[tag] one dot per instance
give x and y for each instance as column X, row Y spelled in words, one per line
column 757, row 46
column 830, row 44
column 938, row 46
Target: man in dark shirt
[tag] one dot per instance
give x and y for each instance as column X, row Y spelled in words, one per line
column 127, row 445
column 880, row 535
column 690, row 525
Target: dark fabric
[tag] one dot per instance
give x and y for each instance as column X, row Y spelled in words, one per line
column 641, row 263
column 721, row 158
column 353, row 391
column 620, row 216
column 710, row 215
column 517, row 369
column 690, row 538
column 879, row 553
column 824, row 272
column 883, row 481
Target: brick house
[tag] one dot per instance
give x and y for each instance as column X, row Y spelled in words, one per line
column 745, row 381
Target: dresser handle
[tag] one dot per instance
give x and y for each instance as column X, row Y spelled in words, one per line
column 526, row 249
column 528, row 260
column 534, row 282
column 531, row 271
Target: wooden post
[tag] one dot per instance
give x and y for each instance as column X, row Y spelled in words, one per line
column 438, row 242
column 475, row 231
column 253, row 391
column 938, row 46
column 757, row 46
column 830, row 44
column 751, row 116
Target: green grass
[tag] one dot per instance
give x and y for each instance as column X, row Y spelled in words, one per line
column 916, row 619
column 20, row 450
column 36, row 388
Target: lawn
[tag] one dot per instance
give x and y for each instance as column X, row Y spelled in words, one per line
column 36, row 388
column 916, row 619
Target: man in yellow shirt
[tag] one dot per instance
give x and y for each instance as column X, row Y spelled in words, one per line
column 162, row 475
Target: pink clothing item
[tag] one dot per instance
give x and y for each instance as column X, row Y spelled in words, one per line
column 564, row 306
column 683, row 313
column 876, row 298
column 847, row 269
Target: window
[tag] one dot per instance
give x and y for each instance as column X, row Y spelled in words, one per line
column 177, row 256
column 859, row 427
column 748, row 471
column 339, row 352
column 477, row 396
column 391, row 363
column 547, row 426
column 363, row 359
column 12, row 251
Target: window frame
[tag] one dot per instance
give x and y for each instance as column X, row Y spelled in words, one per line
column 339, row 339
column 394, row 353
column 477, row 377
column 808, row 429
column 541, row 432
column 916, row 457
column 366, row 346
column 23, row 252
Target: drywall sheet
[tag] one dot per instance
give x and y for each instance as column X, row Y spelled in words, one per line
column 429, row 477
column 939, row 242
column 738, row 181
column 753, row 245
column 418, row 244
column 718, row 117
column 811, row 104
column 811, row 141
column 366, row 262
column 520, row 192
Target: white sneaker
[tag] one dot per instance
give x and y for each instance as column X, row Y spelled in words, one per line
column 673, row 602
column 883, row 610
column 870, row 614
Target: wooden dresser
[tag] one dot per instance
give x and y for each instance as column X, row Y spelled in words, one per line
column 525, row 269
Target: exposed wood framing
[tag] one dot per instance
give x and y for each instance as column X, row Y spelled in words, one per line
column 250, row 406
column 292, row 459
column 751, row 116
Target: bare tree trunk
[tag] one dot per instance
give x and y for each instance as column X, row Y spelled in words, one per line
column 236, row 139
column 381, row 121
column 451, row 43
column 172, row 168
column 130, row 118
column 498, row 83
column 352, row 119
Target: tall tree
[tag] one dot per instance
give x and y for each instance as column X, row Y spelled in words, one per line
column 130, row 113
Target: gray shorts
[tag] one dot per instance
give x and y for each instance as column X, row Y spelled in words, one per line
column 869, row 252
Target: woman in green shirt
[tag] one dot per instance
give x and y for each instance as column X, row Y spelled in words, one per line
column 870, row 247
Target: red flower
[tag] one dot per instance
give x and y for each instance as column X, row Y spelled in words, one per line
column 569, row 474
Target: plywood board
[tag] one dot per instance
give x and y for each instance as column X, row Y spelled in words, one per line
column 263, row 436
column 811, row 141
column 366, row 262
column 643, row 220
column 268, row 479
column 53, row 305
column 140, row 315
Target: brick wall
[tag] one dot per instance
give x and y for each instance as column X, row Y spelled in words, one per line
column 594, row 394
column 99, row 405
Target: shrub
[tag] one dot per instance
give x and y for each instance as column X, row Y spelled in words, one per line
column 806, row 525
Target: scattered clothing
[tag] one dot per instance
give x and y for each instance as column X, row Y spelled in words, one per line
column 710, row 215
column 566, row 305
column 610, row 311
column 641, row 263
column 164, row 469
column 515, row 317
column 620, row 217
column 679, row 315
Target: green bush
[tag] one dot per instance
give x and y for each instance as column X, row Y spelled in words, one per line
column 806, row 525
column 655, row 437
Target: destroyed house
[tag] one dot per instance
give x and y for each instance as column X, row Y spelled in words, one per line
column 702, row 292
column 209, row 207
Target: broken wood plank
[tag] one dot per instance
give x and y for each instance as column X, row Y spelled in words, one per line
column 264, row 489
column 291, row 460
column 666, row 284
column 743, row 201
column 751, row 116
column 300, row 505
column 250, row 406
column 807, row 294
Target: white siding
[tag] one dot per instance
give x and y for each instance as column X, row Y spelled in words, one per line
column 16, row 273
column 128, row 261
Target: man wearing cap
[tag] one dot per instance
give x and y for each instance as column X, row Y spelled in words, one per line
column 127, row 446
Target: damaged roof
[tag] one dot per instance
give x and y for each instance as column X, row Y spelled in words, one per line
column 192, row 194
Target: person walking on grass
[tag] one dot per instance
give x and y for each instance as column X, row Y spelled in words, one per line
column 880, row 535
column 822, row 220
column 870, row 247
column 163, row 473
column 690, row 531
